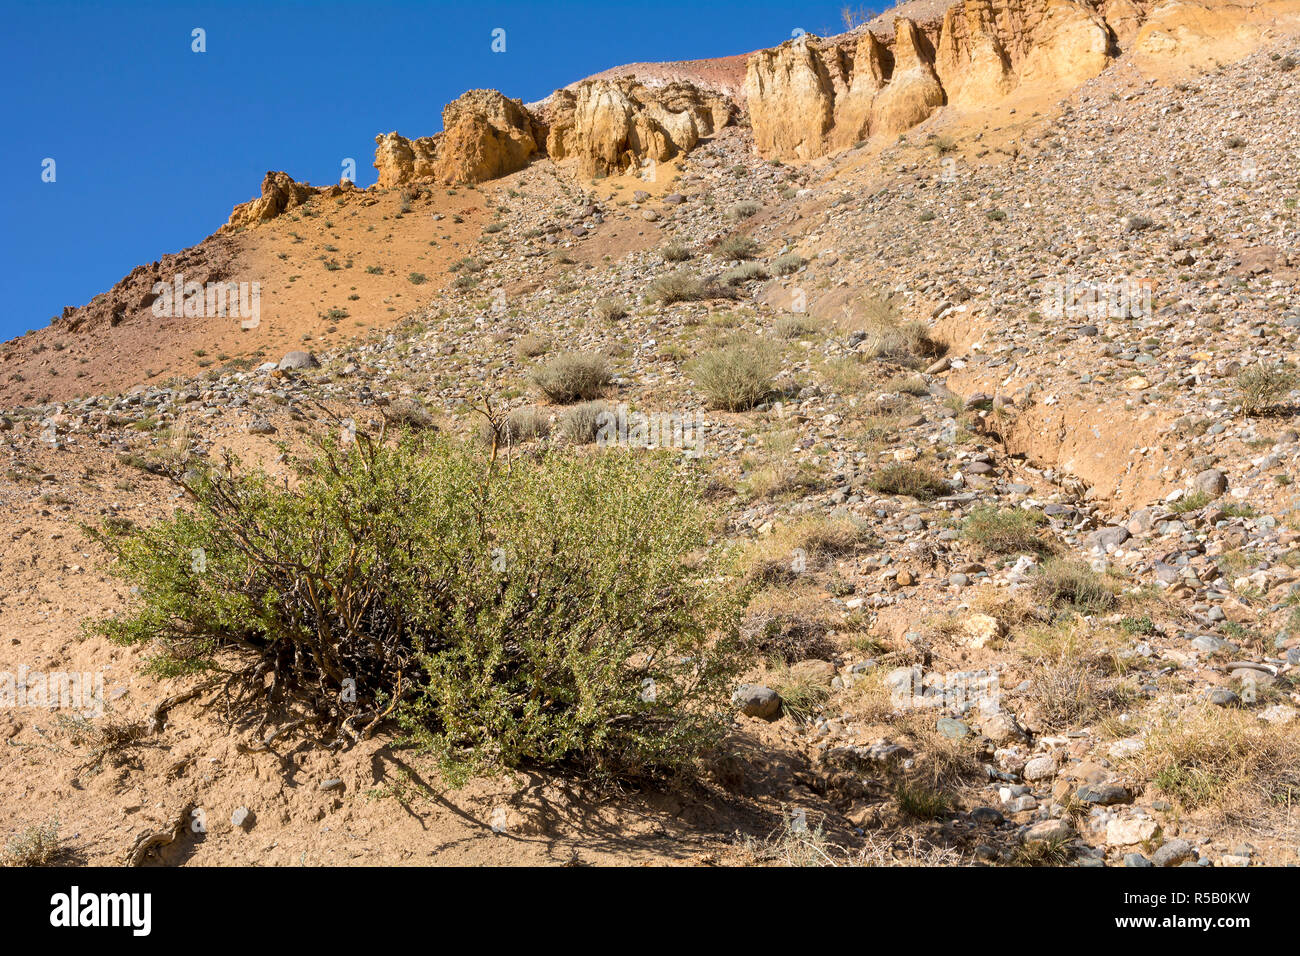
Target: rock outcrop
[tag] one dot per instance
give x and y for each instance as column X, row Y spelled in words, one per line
column 280, row 192
column 613, row 125
column 484, row 135
column 809, row 96
column 401, row 160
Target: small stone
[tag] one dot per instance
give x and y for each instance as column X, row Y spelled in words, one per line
column 953, row 729
column 1210, row 482
column 1131, row 831
column 1173, row 853
column 298, row 360
column 1040, row 768
column 755, row 700
column 334, row 783
column 241, row 818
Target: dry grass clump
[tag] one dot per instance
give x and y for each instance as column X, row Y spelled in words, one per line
column 521, row 425
column 788, row 627
column 532, row 345
column 803, row 695
column 36, row 846
column 736, row 247
column 787, row 264
column 1224, row 761
column 796, row 548
column 745, row 272
column 906, row 478
column 1007, row 530
column 1068, row 694
column 681, row 286
column 888, row 335
column 572, row 377
column 410, row 413
column 794, row 326
column 581, row 423
column 1061, row 583
column 778, row 473
column 610, row 310
column 675, row 252
column 738, row 376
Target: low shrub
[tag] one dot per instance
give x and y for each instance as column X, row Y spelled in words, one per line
column 556, row 612
column 738, row 376
column 572, row 377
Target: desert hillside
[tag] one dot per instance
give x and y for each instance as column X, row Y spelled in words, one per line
column 981, row 318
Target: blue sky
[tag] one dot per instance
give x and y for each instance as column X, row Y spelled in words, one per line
column 154, row 143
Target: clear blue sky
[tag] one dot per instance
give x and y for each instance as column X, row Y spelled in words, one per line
column 153, row 143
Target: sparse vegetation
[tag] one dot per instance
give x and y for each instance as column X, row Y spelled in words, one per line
column 572, row 377
column 606, row 551
column 906, row 478
column 738, row 376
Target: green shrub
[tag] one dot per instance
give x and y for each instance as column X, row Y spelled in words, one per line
column 905, row 478
column 572, row 377
column 1260, row 386
column 738, row 376
column 1006, row 530
column 554, row 613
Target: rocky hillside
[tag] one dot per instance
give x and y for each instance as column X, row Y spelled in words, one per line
column 1003, row 300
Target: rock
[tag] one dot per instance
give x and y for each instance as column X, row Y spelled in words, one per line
column 1223, row 697
column 1103, row 795
column 334, row 783
column 484, row 135
column 1049, row 831
column 298, row 360
column 1173, row 853
column 950, row 728
column 758, row 701
column 280, row 193
column 1107, row 539
column 1130, row 831
column 615, row 125
column 242, row 818
column 1039, row 768
column 1210, row 482
column 987, row 815
column 1001, row 727
column 1137, row 860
